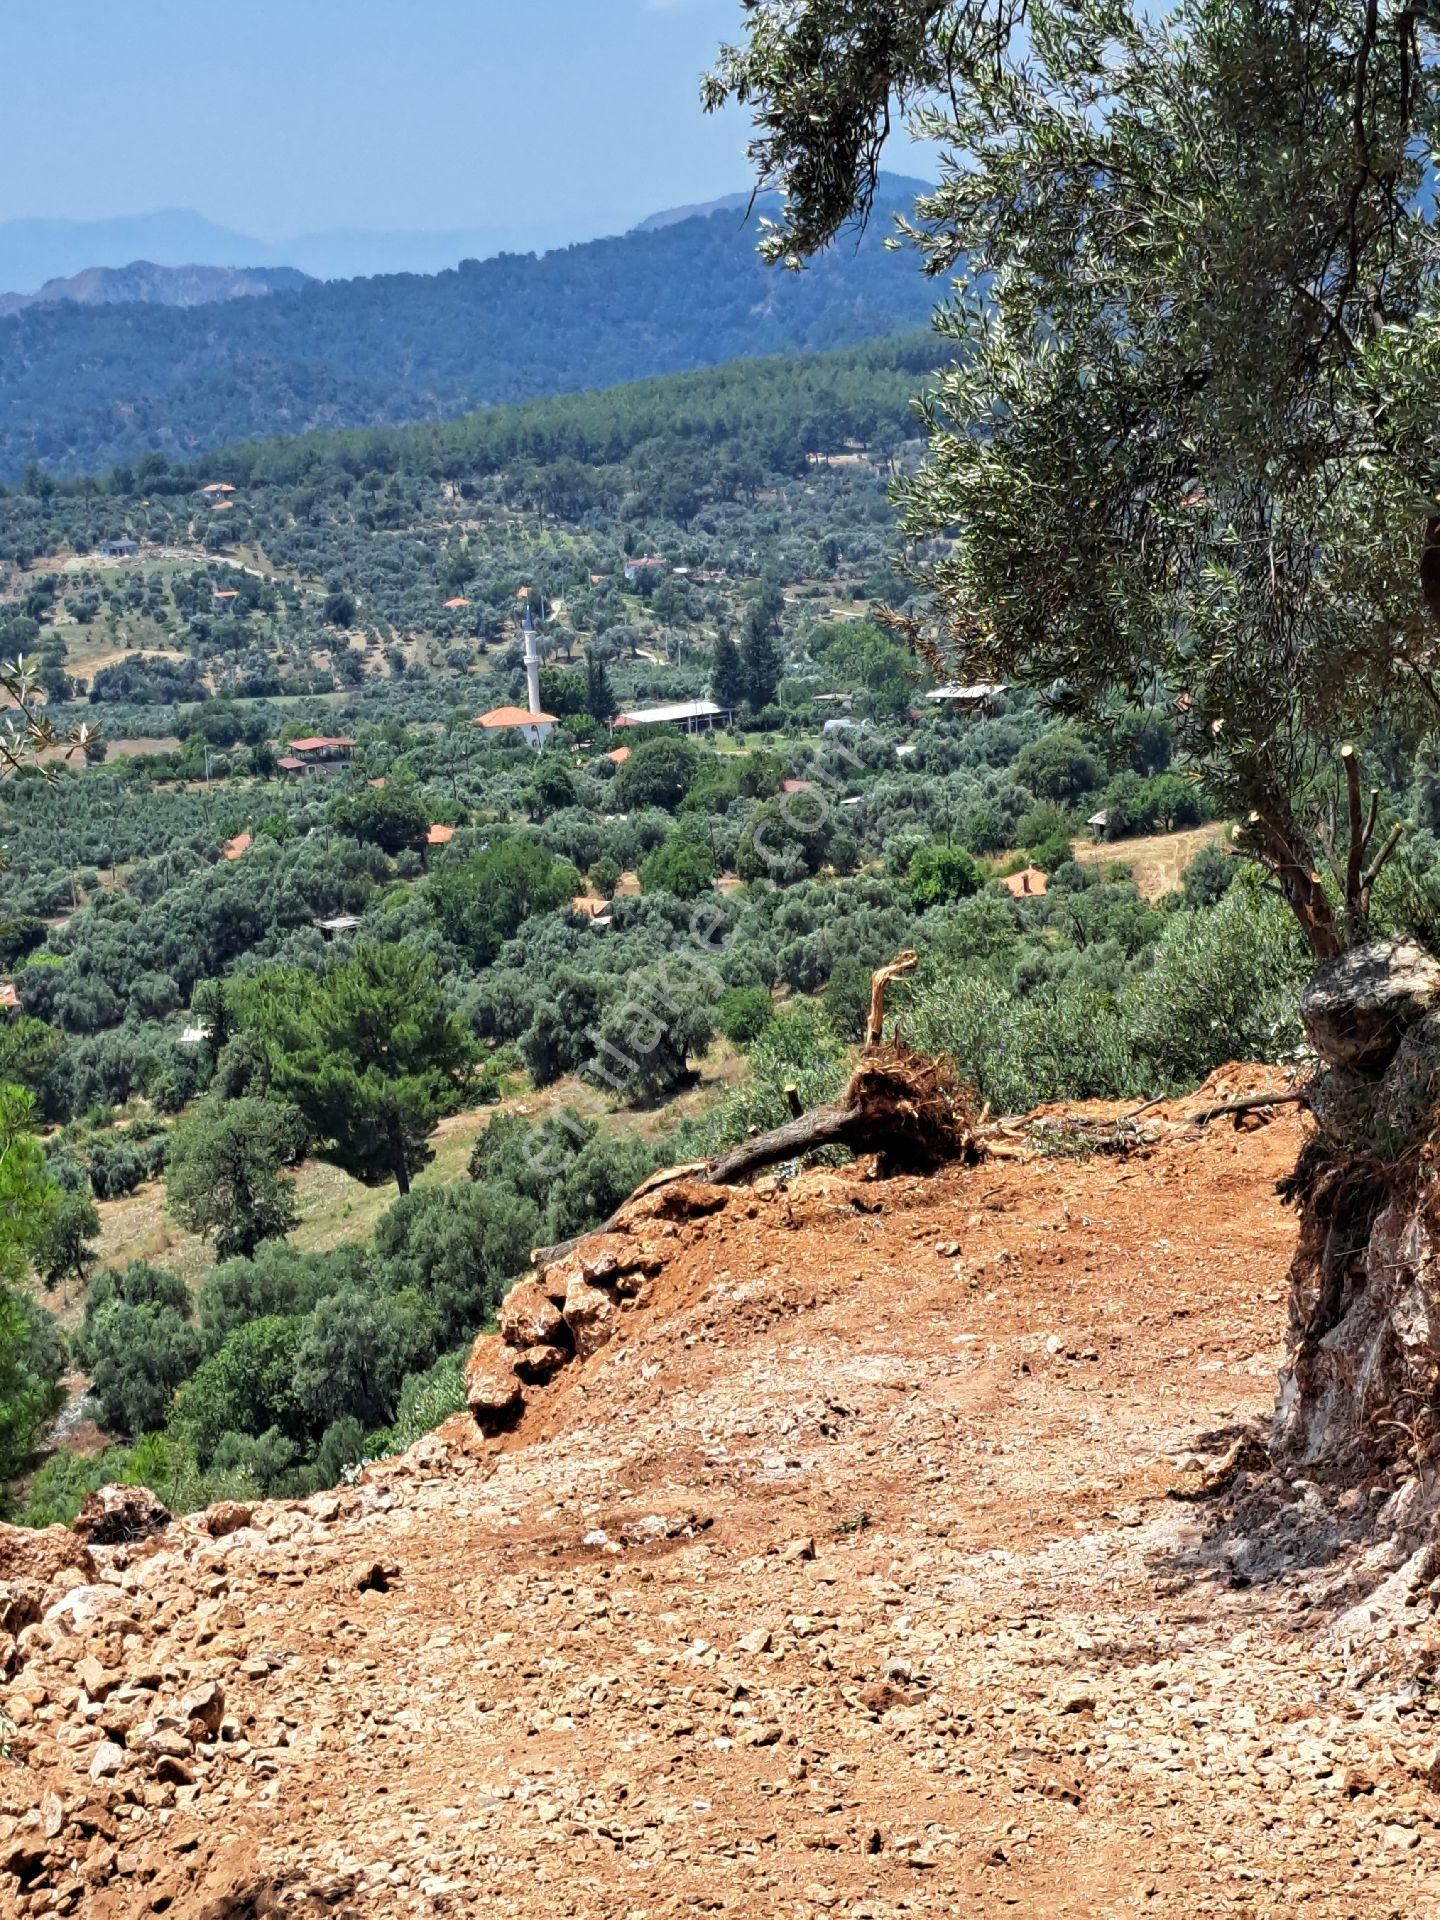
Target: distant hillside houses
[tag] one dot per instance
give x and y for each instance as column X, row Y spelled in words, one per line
column 982, row 698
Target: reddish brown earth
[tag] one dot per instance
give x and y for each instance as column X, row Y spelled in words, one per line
column 847, row 1580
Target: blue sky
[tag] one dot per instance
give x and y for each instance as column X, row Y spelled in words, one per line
column 281, row 116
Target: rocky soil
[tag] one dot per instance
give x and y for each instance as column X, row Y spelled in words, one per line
column 847, row 1577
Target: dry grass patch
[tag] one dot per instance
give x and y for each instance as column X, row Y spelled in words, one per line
column 1156, row 862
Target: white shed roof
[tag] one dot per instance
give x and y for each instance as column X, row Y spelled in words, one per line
column 683, row 710
column 982, row 690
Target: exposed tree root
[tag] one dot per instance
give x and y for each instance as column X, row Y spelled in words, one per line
column 909, row 1109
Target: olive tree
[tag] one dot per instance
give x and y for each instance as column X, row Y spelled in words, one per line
column 1180, row 453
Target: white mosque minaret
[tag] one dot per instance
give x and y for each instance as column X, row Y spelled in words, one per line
column 533, row 725
column 532, row 664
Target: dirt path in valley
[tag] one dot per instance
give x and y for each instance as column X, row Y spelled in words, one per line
column 845, row 1581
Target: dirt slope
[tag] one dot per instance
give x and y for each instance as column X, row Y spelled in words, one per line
column 844, row 1581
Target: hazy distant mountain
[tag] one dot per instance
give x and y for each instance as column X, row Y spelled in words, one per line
column 34, row 251
column 82, row 387
column 145, row 283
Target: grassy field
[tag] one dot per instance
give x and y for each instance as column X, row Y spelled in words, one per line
column 336, row 1210
column 1155, row 861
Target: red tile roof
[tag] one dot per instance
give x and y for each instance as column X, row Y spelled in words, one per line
column 514, row 717
column 290, row 764
column 233, row 849
column 619, row 755
column 797, row 786
column 459, row 601
column 438, row 836
column 319, row 741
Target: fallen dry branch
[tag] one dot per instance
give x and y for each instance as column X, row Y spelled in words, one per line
column 1253, row 1104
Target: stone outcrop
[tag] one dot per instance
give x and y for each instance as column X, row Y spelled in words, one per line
column 529, row 1317
column 493, row 1389
column 1358, row 1007
column 53, row 1556
column 227, row 1517
column 120, row 1516
column 573, row 1305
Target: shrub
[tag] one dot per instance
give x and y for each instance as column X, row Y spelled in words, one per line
column 743, row 1014
column 137, row 1344
column 426, row 1400
column 1224, row 985
column 122, row 1160
column 939, row 874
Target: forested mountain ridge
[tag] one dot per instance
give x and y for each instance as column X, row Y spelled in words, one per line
column 82, row 388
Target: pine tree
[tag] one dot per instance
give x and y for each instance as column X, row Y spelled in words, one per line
column 368, row 1051
column 759, row 655
column 599, row 699
column 727, row 674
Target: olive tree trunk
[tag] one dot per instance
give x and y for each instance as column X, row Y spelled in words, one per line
column 1359, row 1383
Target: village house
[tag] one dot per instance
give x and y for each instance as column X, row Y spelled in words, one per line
column 320, row 753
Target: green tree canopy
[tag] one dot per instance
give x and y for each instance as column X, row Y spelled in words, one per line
column 759, row 654
column 658, row 773
column 390, row 817
column 1058, row 766
column 483, row 902
column 727, row 674
column 939, row 874
column 599, row 696
column 682, row 864
column 137, row 1345
column 224, row 1176
column 369, row 1053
